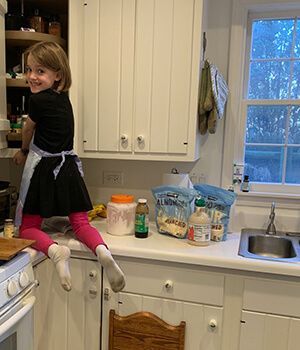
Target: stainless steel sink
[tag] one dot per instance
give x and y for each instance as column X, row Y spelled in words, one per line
column 256, row 244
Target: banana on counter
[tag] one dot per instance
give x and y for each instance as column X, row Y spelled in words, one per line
column 99, row 210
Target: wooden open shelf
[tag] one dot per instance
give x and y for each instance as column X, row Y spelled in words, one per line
column 25, row 39
column 21, row 83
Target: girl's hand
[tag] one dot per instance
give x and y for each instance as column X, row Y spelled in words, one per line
column 20, row 157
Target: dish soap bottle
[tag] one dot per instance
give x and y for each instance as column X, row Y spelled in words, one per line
column 142, row 219
column 199, row 230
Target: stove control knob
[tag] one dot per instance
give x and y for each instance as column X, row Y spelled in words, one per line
column 23, row 280
column 12, row 288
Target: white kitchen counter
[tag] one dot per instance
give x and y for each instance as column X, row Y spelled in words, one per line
column 165, row 248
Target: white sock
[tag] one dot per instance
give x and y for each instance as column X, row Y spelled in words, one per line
column 113, row 272
column 60, row 255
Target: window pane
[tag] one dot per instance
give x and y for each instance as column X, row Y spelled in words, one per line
column 263, row 163
column 294, row 126
column 297, row 44
column 295, row 88
column 272, row 38
column 266, row 124
column 293, row 165
column 269, row 80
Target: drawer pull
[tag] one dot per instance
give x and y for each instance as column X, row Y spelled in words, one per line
column 93, row 291
column 169, row 285
column 213, row 324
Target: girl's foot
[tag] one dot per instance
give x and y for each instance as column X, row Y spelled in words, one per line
column 113, row 272
column 60, row 255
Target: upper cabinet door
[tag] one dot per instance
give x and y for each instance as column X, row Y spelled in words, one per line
column 163, row 56
column 108, row 74
column 140, row 74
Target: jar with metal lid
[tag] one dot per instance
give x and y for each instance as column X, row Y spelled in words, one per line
column 9, row 228
column 121, row 215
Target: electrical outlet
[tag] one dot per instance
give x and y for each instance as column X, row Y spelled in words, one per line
column 112, row 178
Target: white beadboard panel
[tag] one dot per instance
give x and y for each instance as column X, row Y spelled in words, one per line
column 293, row 338
column 109, row 74
column 181, row 75
column 90, row 75
column 76, row 318
column 127, row 69
column 162, row 60
column 143, row 72
column 84, row 319
column 276, row 332
column 252, row 331
column 261, row 331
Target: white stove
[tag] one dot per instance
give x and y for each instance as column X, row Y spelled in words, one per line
column 15, row 276
column 16, row 303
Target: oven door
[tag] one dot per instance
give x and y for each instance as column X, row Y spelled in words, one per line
column 16, row 323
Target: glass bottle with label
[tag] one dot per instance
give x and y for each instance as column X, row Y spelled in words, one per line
column 9, row 228
column 199, row 230
column 142, row 219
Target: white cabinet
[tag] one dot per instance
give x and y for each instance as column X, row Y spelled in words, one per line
column 138, row 74
column 261, row 331
column 68, row 321
column 173, row 293
column 271, row 315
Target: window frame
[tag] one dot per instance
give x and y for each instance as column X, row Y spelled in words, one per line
column 244, row 12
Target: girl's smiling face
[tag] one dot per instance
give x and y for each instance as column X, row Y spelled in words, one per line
column 39, row 77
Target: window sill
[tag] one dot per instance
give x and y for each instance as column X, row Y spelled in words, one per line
column 264, row 199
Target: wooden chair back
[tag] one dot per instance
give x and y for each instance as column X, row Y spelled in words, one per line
column 144, row 331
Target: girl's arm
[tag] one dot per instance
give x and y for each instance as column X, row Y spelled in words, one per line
column 27, row 133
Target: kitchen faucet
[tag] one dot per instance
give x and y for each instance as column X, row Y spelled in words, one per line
column 271, row 230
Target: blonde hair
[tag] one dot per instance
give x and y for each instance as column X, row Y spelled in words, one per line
column 53, row 57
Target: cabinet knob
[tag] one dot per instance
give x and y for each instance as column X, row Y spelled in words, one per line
column 169, row 285
column 106, row 294
column 213, row 324
column 93, row 273
column 124, row 138
column 140, row 139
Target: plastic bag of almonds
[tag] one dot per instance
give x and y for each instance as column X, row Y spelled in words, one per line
column 173, row 206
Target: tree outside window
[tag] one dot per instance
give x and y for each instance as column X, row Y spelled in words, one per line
column 272, row 139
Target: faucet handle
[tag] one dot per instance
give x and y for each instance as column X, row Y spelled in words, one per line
column 273, row 207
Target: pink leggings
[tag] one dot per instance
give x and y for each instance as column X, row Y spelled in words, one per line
column 84, row 232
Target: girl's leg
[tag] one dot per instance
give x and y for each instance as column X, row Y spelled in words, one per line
column 88, row 235
column 31, row 229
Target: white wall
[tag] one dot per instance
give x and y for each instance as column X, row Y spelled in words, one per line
column 140, row 176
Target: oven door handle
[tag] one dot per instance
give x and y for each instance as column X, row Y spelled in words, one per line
column 27, row 306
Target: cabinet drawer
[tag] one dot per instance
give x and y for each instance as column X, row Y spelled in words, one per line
column 172, row 281
column 279, row 297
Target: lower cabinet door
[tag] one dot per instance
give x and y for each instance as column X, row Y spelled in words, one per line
column 68, row 320
column 203, row 323
column 262, row 331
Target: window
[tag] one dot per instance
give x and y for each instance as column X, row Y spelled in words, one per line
column 272, row 101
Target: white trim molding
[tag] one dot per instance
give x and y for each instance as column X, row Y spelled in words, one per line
column 234, row 124
column 3, row 7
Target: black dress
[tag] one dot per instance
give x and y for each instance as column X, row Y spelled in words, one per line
column 54, row 133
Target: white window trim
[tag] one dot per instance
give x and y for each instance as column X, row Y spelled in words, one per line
column 234, row 124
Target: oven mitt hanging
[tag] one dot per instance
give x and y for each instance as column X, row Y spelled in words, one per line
column 219, row 89
column 202, row 113
column 212, row 98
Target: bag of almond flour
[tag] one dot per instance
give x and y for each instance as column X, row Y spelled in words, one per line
column 173, row 206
